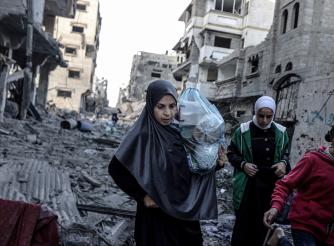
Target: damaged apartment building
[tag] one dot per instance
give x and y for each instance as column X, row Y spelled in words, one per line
column 213, row 30
column 70, row 87
column 294, row 65
column 147, row 67
column 28, row 52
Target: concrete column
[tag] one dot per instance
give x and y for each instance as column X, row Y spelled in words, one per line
column 3, row 90
column 25, row 100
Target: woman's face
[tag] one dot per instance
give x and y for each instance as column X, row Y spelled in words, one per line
column 165, row 110
column 264, row 116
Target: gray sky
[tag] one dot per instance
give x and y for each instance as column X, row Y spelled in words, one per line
column 132, row 26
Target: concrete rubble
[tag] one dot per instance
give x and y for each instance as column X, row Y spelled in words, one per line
column 67, row 170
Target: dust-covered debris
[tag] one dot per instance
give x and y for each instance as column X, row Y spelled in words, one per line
column 67, row 170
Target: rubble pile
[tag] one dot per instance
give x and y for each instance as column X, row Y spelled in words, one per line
column 66, row 169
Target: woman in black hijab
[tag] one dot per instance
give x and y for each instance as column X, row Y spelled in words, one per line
column 151, row 166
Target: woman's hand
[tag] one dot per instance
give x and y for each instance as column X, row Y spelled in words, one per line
column 222, row 158
column 269, row 217
column 250, row 169
column 149, row 203
column 280, row 169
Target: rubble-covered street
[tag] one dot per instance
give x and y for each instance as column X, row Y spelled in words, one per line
column 67, row 170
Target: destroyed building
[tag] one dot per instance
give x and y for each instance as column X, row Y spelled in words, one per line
column 292, row 64
column 69, row 87
column 96, row 101
column 27, row 52
column 213, row 30
column 147, row 67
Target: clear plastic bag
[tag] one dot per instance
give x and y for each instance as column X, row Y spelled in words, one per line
column 202, row 128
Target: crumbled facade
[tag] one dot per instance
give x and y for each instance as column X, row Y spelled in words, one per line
column 147, row 67
column 294, row 65
column 213, row 30
column 27, row 51
column 68, row 87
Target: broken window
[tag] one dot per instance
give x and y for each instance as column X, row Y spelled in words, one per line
column 81, row 7
column 90, row 50
column 153, row 63
column 74, row 74
column 64, row 93
column 284, row 21
column 295, row 15
column 189, row 12
column 70, row 51
column 222, row 42
column 78, row 29
column 231, row 6
column 288, row 66
column 287, row 91
column 156, row 75
column 240, row 113
column 219, row 4
column 212, row 74
column 242, row 45
column 246, row 8
column 254, row 64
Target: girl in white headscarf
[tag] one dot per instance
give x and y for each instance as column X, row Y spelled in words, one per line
column 258, row 152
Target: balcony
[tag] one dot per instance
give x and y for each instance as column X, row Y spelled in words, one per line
column 223, row 22
column 213, row 54
column 226, row 88
column 207, row 89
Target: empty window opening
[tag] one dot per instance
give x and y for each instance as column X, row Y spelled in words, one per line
column 231, row 6
column 156, row 75
column 284, row 21
column 153, row 63
column 90, row 50
column 288, row 66
column 240, row 113
column 70, row 50
column 74, row 74
column 189, row 12
column 63, row 93
column 212, row 74
column 164, row 65
column 278, row 69
column 237, row 6
column 81, row 7
column 246, row 8
column 223, row 42
column 78, row 29
column 219, row 4
column 254, row 64
column 295, row 15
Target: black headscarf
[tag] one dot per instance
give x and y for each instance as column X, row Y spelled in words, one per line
column 155, row 156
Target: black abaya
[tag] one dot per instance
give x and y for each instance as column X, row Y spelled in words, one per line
column 153, row 226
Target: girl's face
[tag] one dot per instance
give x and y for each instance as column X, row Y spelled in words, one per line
column 165, row 110
column 264, row 116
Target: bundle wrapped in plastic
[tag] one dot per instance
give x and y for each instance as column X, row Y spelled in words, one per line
column 202, row 128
